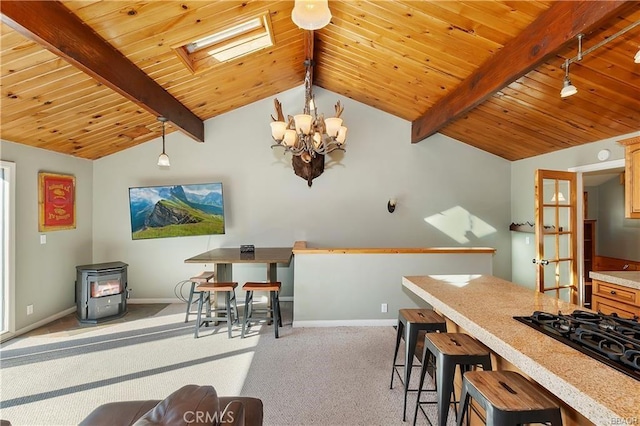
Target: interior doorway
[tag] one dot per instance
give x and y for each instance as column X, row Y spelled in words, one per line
column 588, row 176
column 555, row 223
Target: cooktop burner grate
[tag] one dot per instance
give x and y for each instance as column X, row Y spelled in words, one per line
column 590, row 335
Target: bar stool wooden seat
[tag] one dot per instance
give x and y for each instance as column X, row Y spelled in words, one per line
column 450, row 350
column 508, row 398
column 230, row 311
column 272, row 312
column 204, row 277
column 410, row 323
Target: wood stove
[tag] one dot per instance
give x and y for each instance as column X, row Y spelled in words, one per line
column 101, row 291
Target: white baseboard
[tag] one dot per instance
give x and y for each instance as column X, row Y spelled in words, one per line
column 44, row 321
column 347, row 323
column 153, row 300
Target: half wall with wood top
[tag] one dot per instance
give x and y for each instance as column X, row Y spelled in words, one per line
column 353, row 286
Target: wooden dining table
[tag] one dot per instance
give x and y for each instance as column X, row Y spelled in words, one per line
column 224, row 258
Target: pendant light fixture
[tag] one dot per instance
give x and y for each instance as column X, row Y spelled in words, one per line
column 163, row 159
column 311, row 14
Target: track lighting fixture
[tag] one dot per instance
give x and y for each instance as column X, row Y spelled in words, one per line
column 163, row 159
column 569, row 89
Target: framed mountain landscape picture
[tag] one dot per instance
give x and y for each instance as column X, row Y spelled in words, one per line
column 176, row 210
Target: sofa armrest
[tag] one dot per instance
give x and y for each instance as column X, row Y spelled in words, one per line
column 252, row 408
column 233, row 414
column 123, row 413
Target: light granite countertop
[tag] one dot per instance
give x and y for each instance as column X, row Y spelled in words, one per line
column 624, row 278
column 484, row 306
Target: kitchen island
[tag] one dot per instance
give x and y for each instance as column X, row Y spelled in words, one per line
column 484, row 307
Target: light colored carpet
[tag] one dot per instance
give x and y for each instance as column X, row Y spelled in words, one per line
column 309, row 376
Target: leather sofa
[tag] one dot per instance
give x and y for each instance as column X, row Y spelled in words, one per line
column 191, row 405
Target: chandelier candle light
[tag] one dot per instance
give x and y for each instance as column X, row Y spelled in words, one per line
column 308, row 136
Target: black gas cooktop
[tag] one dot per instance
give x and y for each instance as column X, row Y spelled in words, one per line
column 610, row 339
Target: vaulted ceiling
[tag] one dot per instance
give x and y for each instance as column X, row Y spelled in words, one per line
column 89, row 78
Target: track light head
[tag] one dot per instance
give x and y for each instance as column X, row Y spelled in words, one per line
column 568, row 89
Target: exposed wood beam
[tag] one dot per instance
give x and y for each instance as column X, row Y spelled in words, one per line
column 554, row 28
column 52, row 25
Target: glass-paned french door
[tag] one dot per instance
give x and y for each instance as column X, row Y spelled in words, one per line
column 556, row 247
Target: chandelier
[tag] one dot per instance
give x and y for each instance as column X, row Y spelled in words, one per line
column 308, row 136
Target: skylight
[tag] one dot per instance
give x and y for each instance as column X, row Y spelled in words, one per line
column 227, row 44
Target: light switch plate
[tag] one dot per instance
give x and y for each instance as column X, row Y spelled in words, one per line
column 43, row 239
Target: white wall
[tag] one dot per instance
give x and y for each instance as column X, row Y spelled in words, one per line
column 267, row 205
column 349, row 289
column 45, row 274
column 522, row 196
column 616, row 236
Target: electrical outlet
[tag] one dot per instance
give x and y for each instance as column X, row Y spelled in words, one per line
column 43, row 239
column 29, row 309
column 383, row 308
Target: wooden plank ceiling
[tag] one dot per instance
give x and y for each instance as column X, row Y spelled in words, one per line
column 450, row 66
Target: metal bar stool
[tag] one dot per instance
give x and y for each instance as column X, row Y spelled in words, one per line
column 508, row 398
column 450, row 350
column 410, row 323
column 248, row 317
column 231, row 312
column 204, row 277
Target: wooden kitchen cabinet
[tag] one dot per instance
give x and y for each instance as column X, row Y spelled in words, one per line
column 589, row 254
column 632, row 177
column 611, row 298
column 604, row 263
